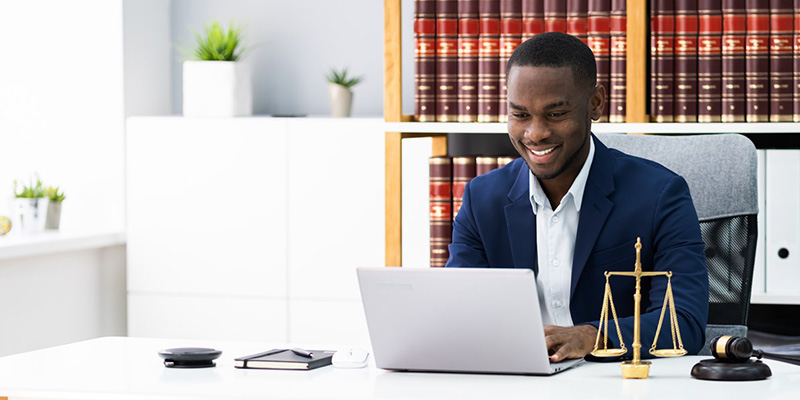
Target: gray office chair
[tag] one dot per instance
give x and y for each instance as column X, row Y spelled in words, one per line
column 721, row 173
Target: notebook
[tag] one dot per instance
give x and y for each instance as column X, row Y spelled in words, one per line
column 456, row 320
column 285, row 359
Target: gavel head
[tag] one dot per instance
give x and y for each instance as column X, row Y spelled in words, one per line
column 731, row 348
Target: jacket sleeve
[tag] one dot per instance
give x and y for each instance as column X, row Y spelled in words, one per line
column 466, row 248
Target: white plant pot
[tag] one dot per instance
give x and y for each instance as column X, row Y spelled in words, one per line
column 53, row 215
column 341, row 100
column 29, row 215
column 217, row 89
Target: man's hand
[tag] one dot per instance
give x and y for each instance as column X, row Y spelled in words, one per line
column 569, row 342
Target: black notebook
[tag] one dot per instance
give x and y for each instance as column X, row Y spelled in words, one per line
column 285, row 359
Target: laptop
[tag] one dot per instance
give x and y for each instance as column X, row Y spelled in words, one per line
column 481, row 320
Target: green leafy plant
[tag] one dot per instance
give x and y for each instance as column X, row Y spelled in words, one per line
column 31, row 190
column 54, row 195
column 218, row 44
column 341, row 78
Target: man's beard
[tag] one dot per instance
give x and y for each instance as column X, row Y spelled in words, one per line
column 570, row 160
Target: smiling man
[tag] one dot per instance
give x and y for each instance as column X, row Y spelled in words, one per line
column 571, row 209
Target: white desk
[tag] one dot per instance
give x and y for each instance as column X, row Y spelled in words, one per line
column 129, row 368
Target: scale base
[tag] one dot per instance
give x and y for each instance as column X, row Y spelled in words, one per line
column 639, row 370
column 714, row 370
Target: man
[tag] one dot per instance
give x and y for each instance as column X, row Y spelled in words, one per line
column 571, row 209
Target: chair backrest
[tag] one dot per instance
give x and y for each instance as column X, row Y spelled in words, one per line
column 721, row 173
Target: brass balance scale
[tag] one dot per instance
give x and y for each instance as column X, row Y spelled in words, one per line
column 636, row 368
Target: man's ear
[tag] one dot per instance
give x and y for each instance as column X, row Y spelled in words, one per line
column 598, row 102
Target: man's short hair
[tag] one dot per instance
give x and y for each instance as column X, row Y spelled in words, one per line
column 556, row 49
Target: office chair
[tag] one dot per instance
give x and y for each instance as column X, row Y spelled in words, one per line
column 721, row 173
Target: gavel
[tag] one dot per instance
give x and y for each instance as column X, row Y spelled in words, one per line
column 734, row 349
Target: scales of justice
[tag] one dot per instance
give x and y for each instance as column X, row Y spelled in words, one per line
column 636, row 368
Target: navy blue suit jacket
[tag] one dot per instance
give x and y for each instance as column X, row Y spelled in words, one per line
column 625, row 197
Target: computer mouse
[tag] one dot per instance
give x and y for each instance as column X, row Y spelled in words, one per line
column 350, row 358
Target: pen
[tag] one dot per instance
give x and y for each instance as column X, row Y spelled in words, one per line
column 303, row 353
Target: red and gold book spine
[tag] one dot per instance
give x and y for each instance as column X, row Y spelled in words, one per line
column 781, row 66
column 446, row 60
column 532, row 18
column 463, row 172
column 488, row 60
column 484, row 165
column 734, row 29
column 555, row 16
column 618, row 29
column 425, row 60
column 503, row 160
column 757, row 60
column 468, row 30
column 662, row 38
column 796, row 62
column 510, row 38
column 709, row 61
column 441, row 208
column 686, row 61
column 577, row 14
column 599, row 40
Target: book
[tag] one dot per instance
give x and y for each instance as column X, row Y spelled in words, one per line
column 709, row 61
column 440, row 214
column 757, row 60
column 686, row 60
column 425, row 60
column 463, row 172
column 577, row 13
column 284, row 359
column 446, row 60
column 781, row 65
column 510, row 38
column 555, row 16
column 484, row 164
column 796, row 62
column 662, row 31
column 734, row 28
column 598, row 39
column 468, row 30
column 488, row 60
column 503, row 160
column 618, row 30
column 532, row 18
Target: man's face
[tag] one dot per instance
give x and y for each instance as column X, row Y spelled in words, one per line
column 550, row 119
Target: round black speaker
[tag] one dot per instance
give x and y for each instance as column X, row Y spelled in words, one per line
column 189, row 357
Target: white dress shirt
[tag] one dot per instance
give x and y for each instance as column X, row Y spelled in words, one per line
column 555, row 244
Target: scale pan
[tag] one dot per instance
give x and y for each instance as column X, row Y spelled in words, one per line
column 609, row 352
column 668, row 352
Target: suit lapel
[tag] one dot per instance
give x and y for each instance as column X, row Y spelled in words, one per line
column 594, row 211
column 521, row 222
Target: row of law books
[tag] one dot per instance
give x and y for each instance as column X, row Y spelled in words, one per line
column 725, row 60
column 462, row 49
column 448, row 178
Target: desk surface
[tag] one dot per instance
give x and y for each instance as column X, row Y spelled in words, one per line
column 129, row 368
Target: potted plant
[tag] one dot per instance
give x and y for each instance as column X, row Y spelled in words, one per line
column 55, row 198
column 341, row 96
column 29, row 207
column 216, row 83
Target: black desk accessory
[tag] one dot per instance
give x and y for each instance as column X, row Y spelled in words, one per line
column 189, row 357
column 732, row 361
column 296, row 359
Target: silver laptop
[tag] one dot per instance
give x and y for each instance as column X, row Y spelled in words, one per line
column 456, row 320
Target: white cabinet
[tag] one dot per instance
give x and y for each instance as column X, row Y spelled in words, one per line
column 251, row 228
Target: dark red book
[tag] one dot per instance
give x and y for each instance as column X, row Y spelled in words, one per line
column 555, row 16
column 532, row 18
column 662, row 38
column 503, row 160
column 757, row 60
column 468, row 30
column 441, row 208
column 618, row 29
column 686, row 28
column 447, row 60
column 781, row 66
column 577, row 14
column 709, row 61
column 796, row 61
column 425, row 60
column 734, row 29
column 463, row 172
column 599, row 40
column 484, row 165
column 488, row 60
column 510, row 38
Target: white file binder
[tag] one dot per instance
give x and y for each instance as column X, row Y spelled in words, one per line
column 783, row 222
column 759, row 272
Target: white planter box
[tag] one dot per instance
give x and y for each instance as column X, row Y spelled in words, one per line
column 217, row 89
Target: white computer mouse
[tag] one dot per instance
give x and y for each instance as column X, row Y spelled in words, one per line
column 350, row 358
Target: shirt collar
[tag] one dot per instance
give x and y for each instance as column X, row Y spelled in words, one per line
column 539, row 199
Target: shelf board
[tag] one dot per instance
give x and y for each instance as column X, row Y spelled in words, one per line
column 598, row 127
column 767, row 298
